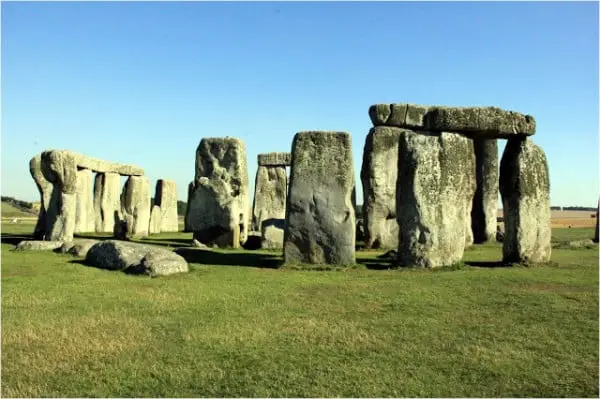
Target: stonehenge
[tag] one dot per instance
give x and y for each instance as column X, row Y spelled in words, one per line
column 218, row 211
column 74, row 201
column 319, row 217
column 165, row 197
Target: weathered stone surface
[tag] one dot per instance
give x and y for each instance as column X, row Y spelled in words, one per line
column 320, row 221
column 78, row 247
column 525, row 190
column 45, row 188
column 107, row 201
column 60, row 216
column 187, row 226
column 166, row 198
column 275, row 159
column 84, row 210
column 155, row 220
column 272, row 232
column 484, row 212
column 218, row 210
column 35, row 245
column 135, row 205
column 436, row 184
column 379, row 174
column 483, row 122
column 270, row 191
column 135, row 258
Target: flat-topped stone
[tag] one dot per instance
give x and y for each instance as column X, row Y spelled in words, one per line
column 98, row 165
column 481, row 122
column 275, row 159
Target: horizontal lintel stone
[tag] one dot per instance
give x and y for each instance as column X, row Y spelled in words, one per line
column 275, row 159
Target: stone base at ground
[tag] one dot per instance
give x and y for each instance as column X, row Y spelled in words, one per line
column 272, row 232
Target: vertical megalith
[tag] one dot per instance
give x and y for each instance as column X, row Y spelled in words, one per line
column 525, row 190
column 218, row 208
column 135, row 205
column 45, row 189
column 84, row 216
column 435, row 188
column 597, row 233
column 155, row 220
column 187, row 226
column 269, row 195
column 485, row 202
column 379, row 173
column 166, row 198
column 60, row 169
column 107, row 201
column 320, row 220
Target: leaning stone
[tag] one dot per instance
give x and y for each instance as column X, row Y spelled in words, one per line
column 135, row 258
column 436, row 184
column 84, row 212
column 270, row 191
column 155, row 218
column 275, row 159
column 166, row 199
column 320, row 221
column 525, row 190
column 38, row 245
column 379, row 174
column 272, row 233
column 135, row 205
column 218, row 211
column 485, row 202
column 107, row 201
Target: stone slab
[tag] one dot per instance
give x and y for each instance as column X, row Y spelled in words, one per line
column 275, row 159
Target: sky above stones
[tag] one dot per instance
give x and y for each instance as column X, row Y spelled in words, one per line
column 142, row 83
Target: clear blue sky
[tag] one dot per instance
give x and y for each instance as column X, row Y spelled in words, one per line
column 142, row 83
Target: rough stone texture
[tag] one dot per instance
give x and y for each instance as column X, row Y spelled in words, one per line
column 155, row 220
column 525, row 190
column 270, row 191
column 485, row 202
column 135, row 258
column 97, row 165
column 272, row 233
column 436, row 184
column 378, row 174
column 135, row 205
column 77, row 247
column 84, row 211
column 35, row 245
column 187, row 226
column 166, row 198
column 483, row 122
column 218, row 209
column 107, row 201
column 45, row 188
column 320, row 221
column 275, row 159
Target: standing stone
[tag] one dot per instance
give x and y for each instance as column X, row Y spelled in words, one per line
column 84, row 216
column 60, row 168
column 45, row 189
column 219, row 204
column 485, row 203
column 187, row 226
column 597, row 234
column 135, row 205
column 320, row 220
column 166, row 198
column 107, row 201
column 269, row 195
column 436, row 184
column 379, row 173
column 155, row 220
column 525, row 190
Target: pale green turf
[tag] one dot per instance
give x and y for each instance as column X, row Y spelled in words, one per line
column 72, row 330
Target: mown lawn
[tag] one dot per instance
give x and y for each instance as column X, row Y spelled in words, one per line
column 234, row 328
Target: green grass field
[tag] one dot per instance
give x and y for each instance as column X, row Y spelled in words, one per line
column 234, row 326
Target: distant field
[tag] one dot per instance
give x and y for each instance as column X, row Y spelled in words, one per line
column 570, row 218
column 10, row 211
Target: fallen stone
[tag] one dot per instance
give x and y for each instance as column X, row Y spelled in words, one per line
column 379, row 173
column 270, row 191
column 218, row 210
column 320, row 221
column 166, row 199
column 77, row 247
column 485, row 202
column 135, row 205
column 35, row 245
column 525, row 190
column 436, row 184
column 155, row 219
column 187, row 226
column 107, row 201
column 135, row 258
column 275, row 159
column 272, row 233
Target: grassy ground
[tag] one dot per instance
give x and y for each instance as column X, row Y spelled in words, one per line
column 228, row 330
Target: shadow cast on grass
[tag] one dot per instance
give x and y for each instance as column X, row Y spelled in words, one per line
column 484, row 263
column 247, row 259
